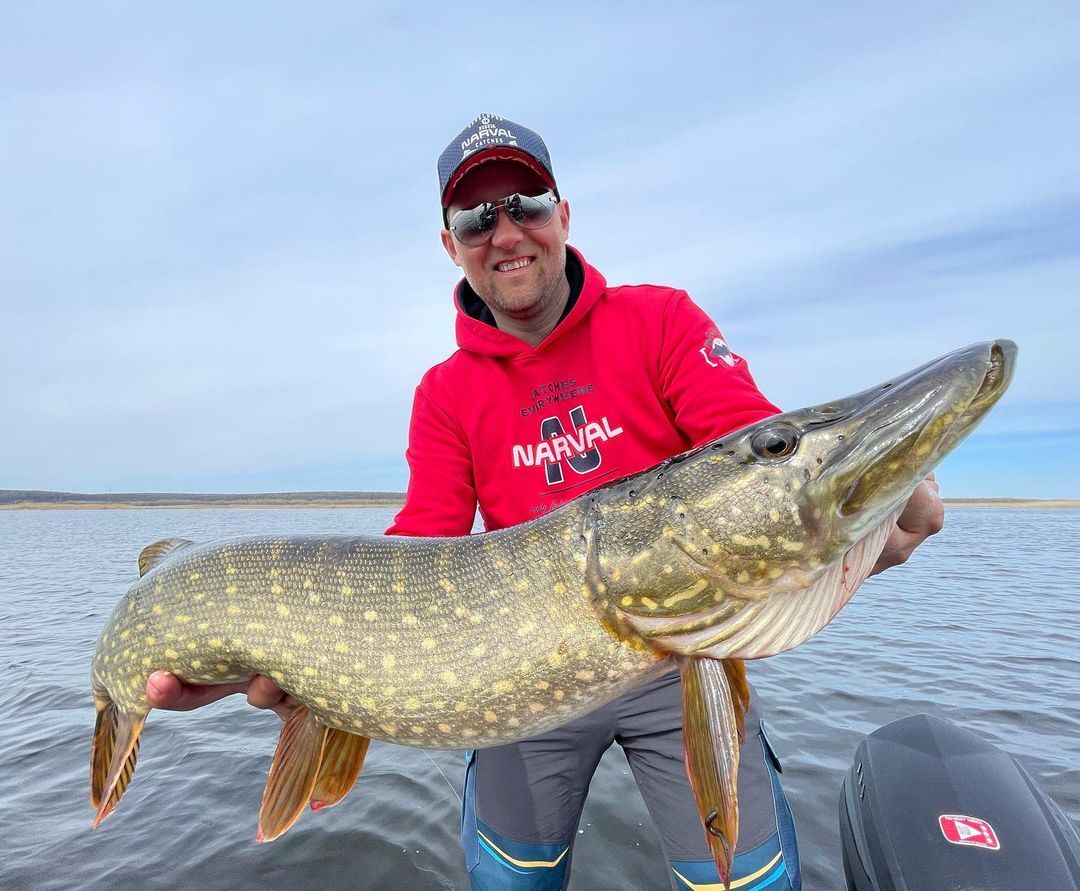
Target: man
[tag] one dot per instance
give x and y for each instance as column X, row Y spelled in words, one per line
column 561, row 384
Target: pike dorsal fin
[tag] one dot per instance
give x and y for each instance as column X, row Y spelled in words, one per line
column 152, row 555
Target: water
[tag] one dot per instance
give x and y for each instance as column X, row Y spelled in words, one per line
column 982, row 627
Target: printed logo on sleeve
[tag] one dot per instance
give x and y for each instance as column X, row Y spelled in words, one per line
column 716, row 351
column 962, row 830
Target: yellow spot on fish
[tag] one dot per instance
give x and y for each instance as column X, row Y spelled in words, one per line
column 346, row 591
column 255, row 626
column 158, row 609
column 627, row 600
column 536, row 707
column 559, row 695
column 277, row 676
column 460, row 706
column 182, row 619
column 490, row 716
column 444, row 728
column 743, row 577
column 259, row 653
column 308, row 584
column 555, row 659
column 195, row 576
column 282, row 610
column 367, row 702
column 125, row 634
column 686, row 593
column 232, row 609
column 775, row 572
column 276, row 589
column 197, row 663
column 503, row 686
column 409, row 619
column 340, row 647
column 388, row 729
column 389, row 660
column 585, row 675
column 788, row 545
column 449, row 677
column 216, row 642
column 309, row 671
column 370, row 615
column 151, row 640
column 559, row 588
column 648, row 603
column 335, row 619
column 526, row 629
column 447, row 586
column 230, row 570
column 344, row 680
column 479, row 651
column 321, row 702
column 428, row 643
column 171, row 654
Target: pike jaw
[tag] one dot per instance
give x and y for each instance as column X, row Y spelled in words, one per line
column 766, row 533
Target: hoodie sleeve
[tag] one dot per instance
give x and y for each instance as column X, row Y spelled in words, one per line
column 441, row 497
column 708, row 387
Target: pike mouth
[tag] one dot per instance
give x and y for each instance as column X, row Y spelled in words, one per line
column 930, row 427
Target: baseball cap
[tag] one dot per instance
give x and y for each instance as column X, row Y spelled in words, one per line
column 489, row 137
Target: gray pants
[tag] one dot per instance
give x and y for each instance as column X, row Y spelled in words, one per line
column 528, row 796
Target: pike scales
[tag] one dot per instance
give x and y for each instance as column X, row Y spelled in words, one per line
column 739, row 549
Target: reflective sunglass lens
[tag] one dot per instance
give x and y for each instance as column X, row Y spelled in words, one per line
column 474, row 227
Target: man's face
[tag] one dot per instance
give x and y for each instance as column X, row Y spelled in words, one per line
column 519, row 272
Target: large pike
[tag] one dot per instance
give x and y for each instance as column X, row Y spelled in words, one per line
column 740, row 549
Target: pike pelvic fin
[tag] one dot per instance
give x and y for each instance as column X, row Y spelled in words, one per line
column 343, row 757
column 293, row 773
column 735, row 672
column 113, row 756
column 712, row 717
column 152, row 555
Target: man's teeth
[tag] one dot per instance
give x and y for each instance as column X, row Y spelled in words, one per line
column 511, row 265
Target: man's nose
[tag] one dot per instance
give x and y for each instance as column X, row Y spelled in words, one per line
column 507, row 233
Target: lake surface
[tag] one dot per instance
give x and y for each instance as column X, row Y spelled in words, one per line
column 982, row 626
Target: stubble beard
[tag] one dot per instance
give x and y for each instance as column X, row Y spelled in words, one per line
column 549, row 288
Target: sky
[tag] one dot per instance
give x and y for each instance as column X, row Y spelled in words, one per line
column 220, row 268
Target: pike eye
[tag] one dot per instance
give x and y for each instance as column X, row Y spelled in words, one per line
column 777, row 441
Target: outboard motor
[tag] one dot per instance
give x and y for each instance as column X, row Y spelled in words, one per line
column 930, row 807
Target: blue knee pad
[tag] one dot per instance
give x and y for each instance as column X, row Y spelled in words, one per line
column 499, row 863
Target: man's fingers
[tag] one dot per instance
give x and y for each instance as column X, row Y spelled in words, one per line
column 167, row 691
column 924, row 514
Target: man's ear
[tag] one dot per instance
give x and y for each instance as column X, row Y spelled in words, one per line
column 563, row 211
column 450, row 245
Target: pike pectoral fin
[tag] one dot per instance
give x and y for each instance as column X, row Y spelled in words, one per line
column 343, row 756
column 713, row 702
column 112, row 758
column 293, row 773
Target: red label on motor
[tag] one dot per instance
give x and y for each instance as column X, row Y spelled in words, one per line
column 961, row 830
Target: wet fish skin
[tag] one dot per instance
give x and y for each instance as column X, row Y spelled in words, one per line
column 740, row 549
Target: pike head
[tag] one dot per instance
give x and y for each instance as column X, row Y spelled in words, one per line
column 749, row 545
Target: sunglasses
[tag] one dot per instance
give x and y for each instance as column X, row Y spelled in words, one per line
column 475, row 226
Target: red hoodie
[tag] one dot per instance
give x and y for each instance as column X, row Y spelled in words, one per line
column 632, row 375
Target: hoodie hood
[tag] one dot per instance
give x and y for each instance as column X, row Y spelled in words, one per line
column 476, row 336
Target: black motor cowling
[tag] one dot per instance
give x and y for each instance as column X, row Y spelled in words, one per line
column 930, row 807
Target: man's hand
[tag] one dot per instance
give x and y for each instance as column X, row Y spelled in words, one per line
column 167, row 691
column 923, row 516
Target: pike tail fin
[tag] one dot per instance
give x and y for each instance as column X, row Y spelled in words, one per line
column 713, row 707
column 113, row 755
column 343, row 757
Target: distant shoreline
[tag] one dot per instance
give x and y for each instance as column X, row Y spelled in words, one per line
column 38, row 500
